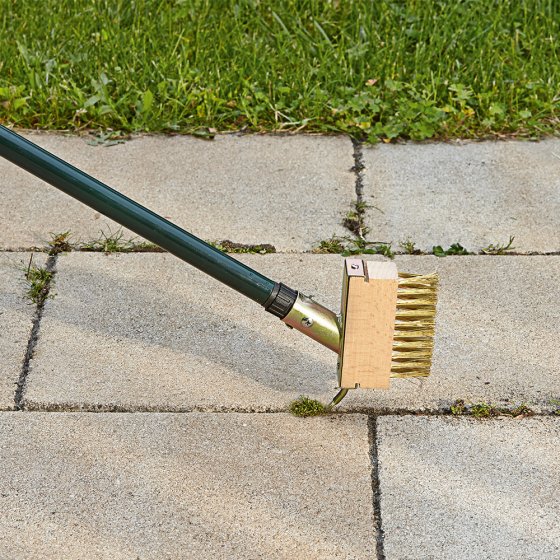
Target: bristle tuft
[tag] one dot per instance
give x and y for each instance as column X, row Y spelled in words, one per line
column 415, row 325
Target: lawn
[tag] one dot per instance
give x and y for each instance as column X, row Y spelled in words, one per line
column 375, row 69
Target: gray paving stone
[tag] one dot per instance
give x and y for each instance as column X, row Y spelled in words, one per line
column 497, row 332
column 16, row 321
column 474, row 193
column 290, row 191
column 147, row 332
column 192, row 486
column 463, row 489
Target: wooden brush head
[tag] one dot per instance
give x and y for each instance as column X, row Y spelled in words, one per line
column 387, row 324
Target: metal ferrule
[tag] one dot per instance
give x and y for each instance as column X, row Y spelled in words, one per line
column 315, row 321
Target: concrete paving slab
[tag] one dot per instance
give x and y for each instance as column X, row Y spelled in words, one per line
column 16, row 321
column 192, row 486
column 147, row 332
column 497, row 331
column 462, row 489
column 290, row 191
column 472, row 193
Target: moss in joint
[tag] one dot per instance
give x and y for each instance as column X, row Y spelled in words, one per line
column 485, row 410
column 230, row 247
column 304, row 406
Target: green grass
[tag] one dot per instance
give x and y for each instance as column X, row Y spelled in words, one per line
column 379, row 70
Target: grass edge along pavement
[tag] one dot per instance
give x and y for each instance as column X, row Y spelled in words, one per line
column 374, row 70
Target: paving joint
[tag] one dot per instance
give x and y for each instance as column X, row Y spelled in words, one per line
column 358, row 169
column 102, row 408
column 33, row 338
column 376, row 488
column 360, row 209
column 120, row 409
column 417, row 253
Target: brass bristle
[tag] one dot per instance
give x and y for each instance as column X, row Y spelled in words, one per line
column 408, row 346
column 413, row 341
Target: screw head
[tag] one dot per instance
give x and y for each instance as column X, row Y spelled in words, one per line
column 354, row 266
column 307, row 322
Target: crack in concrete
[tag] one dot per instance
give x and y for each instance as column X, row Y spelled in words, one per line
column 376, row 488
column 33, row 337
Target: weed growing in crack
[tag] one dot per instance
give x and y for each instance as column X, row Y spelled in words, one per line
column 114, row 242
column 355, row 218
column 60, row 243
column 499, row 249
column 39, row 281
column 230, row 247
column 332, row 245
column 347, row 246
column 352, row 222
column 304, row 406
column 519, row 411
column 455, row 249
column 458, row 407
column 409, row 247
column 483, row 410
column 385, row 250
column 108, row 243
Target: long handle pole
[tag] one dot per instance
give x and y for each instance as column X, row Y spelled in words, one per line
column 135, row 217
column 296, row 310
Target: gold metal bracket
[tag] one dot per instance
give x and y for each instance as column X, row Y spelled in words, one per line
column 315, row 321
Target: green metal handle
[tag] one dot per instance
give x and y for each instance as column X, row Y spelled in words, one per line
column 134, row 216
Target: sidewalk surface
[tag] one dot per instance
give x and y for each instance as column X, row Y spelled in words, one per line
column 143, row 408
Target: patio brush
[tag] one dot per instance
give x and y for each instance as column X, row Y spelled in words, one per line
column 386, row 326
